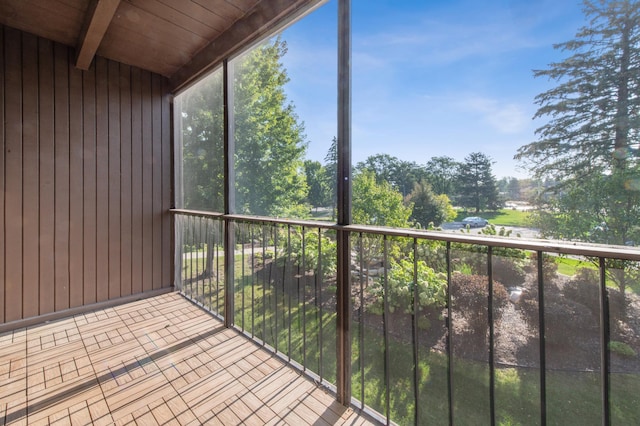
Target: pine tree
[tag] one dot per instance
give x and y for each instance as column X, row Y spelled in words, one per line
column 477, row 187
column 594, row 111
column 592, row 137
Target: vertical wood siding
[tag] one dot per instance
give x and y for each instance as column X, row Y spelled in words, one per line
column 85, row 173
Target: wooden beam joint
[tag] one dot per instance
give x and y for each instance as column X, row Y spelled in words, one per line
column 97, row 20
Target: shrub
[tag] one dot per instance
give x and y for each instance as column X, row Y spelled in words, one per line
column 508, row 263
column 509, row 271
column 566, row 320
column 585, row 289
column 549, row 267
column 470, row 300
column 312, row 243
column 431, row 291
column 622, row 349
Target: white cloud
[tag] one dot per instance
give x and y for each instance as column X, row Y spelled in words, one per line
column 504, row 117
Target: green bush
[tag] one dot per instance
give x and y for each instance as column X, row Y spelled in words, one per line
column 431, row 290
column 314, row 245
column 622, row 349
column 508, row 264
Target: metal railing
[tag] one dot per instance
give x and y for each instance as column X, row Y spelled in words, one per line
column 444, row 328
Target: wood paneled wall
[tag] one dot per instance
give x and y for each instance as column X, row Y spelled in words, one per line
column 85, row 172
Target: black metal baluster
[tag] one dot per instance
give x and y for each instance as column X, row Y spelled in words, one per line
column 304, row 300
column 414, row 334
column 275, row 281
column 242, row 275
column 264, row 285
column 288, row 291
column 253, row 282
column 541, row 334
column 385, row 317
column 605, row 359
column 492, row 378
column 319, row 300
column 361, row 313
column 450, row 370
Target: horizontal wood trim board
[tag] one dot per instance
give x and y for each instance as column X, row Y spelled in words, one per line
column 65, row 313
column 86, row 178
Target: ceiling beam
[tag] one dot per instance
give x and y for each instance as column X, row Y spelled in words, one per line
column 267, row 16
column 96, row 22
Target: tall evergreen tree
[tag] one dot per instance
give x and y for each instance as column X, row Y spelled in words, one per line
column 477, row 187
column 593, row 133
column 594, row 110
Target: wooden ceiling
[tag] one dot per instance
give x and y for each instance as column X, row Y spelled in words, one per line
column 179, row 39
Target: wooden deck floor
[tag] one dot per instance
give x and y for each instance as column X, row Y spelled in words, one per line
column 156, row 361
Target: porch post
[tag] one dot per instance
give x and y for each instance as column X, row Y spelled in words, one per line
column 343, row 344
column 229, row 193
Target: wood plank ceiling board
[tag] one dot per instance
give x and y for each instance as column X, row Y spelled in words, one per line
column 226, row 10
column 266, row 16
column 139, row 37
column 177, row 13
column 51, row 19
column 96, row 22
column 200, row 13
column 179, row 39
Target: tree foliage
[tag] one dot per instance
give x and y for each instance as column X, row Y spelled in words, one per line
column 378, row 203
column 589, row 145
column 319, row 184
column 429, row 208
column 202, row 117
column 402, row 175
column 269, row 139
column 477, row 187
column 441, row 174
column 594, row 110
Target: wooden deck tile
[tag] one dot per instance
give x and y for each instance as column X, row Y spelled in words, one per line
column 154, row 361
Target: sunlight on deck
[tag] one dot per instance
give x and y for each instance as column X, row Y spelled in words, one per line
column 155, row 361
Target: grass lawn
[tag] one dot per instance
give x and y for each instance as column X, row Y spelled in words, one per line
column 573, row 397
column 504, row 217
column 569, row 266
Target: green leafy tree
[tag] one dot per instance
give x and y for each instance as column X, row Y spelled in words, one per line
column 477, row 187
column 378, row 203
column 441, row 174
column 318, row 183
column 402, row 175
column 269, row 139
column 202, row 117
column 510, row 187
column 429, row 208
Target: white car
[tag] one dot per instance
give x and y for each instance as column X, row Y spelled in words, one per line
column 475, row 222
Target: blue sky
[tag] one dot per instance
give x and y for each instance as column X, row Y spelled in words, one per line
column 430, row 78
